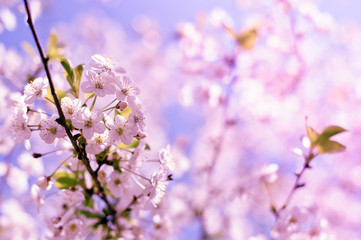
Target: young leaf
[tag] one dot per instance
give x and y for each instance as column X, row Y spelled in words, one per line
column 134, row 144
column 87, row 97
column 78, row 73
column 88, row 202
column 64, row 179
column 101, row 156
column 53, row 47
column 28, row 49
column 59, row 93
column 247, row 39
column 69, row 72
column 331, row 131
column 329, row 146
column 312, row 135
column 125, row 113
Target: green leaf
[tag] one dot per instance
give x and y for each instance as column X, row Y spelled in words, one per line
column 64, row 179
column 59, row 93
column 312, row 135
column 53, row 47
column 69, row 72
column 331, row 131
column 88, row 96
column 101, row 156
column 329, row 146
column 88, row 214
column 147, row 147
column 125, row 113
column 78, row 73
column 88, row 202
column 28, row 49
column 81, row 140
column 134, row 144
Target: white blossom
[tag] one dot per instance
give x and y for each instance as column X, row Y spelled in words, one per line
column 100, row 83
column 73, row 229
column 166, row 159
column 19, row 126
column 90, row 123
column 35, row 90
column 156, row 191
column 125, row 88
column 105, row 64
column 50, row 129
column 136, row 120
column 71, row 108
column 120, row 131
column 98, row 143
column 117, row 183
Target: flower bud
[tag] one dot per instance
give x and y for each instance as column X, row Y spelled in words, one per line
column 122, row 105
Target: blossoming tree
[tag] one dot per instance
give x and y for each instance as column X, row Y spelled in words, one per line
column 243, row 114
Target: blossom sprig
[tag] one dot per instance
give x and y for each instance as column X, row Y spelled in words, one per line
column 111, row 141
column 317, row 143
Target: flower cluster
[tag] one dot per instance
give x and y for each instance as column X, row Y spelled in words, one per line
column 108, row 149
column 233, row 113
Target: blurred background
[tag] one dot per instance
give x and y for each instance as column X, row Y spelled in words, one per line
column 228, row 85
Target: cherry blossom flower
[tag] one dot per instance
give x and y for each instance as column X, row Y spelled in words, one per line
column 105, row 64
column 35, row 90
column 37, row 197
column 157, row 190
column 76, row 164
column 71, row 108
column 98, row 142
column 120, row 131
column 50, row 129
column 166, row 160
column 136, row 120
column 269, row 173
column 71, row 197
column 44, row 183
column 117, row 183
column 90, row 122
column 289, row 222
column 19, row 126
column 100, row 84
column 125, row 88
column 104, row 172
column 73, row 229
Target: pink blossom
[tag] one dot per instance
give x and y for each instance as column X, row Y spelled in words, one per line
column 73, row 229
column 136, row 120
column 105, row 64
column 71, row 108
column 100, row 84
column 98, row 143
column 44, row 183
column 125, row 88
column 90, row 122
column 165, row 158
column 120, row 131
column 117, row 183
column 19, row 126
column 35, row 90
column 50, row 129
column 158, row 187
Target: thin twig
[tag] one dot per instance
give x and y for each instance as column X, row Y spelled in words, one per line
column 81, row 151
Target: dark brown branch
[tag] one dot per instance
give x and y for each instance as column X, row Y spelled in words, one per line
column 81, row 151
